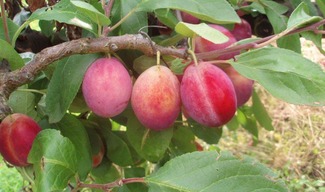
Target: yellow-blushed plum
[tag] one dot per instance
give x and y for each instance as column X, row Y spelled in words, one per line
column 155, row 98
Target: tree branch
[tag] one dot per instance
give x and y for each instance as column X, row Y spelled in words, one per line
column 12, row 80
column 4, row 21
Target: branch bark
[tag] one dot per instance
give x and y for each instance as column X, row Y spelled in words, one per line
column 9, row 81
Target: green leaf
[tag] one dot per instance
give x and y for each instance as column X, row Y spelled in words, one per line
column 54, row 159
column 210, row 171
column 300, row 17
column 178, row 66
column 260, row 113
column 106, row 172
column 276, row 7
column 23, row 102
column 167, row 17
column 117, row 150
column 132, row 24
column 203, row 30
column 209, row 10
column 291, row 42
column 207, row 134
column 73, row 129
column 12, row 28
column 315, row 38
column 149, row 144
column 321, row 5
column 65, row 84
column 91, row 12
column 285, row 74
column 9, row 53
column 251, row 127
column 183, row 141
column 65, row 12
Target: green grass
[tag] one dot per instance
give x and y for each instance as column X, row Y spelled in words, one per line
column 10, row 179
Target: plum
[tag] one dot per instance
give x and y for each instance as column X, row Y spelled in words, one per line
column 107, row 87
column 203, row 45
column 17, row 133
column 155, row 98
column 208, row 95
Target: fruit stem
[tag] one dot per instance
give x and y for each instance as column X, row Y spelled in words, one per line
column 158, row 59
column 193, row 56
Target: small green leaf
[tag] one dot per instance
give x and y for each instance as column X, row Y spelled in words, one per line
column 300, row 17
column 132, row 24
column 207, row 134
column 54, row 159
column 65, row 84
column 203, row 30
column 73, row 129
column 251, row 127
column 210, row 171
column 12, row 28
column 183, row 141
column 167, row 17
column 315, row 38
column 9, row 53
column 149, row 144
column 91, row 12
column 285, row 74
column 178, row 66
column 276, row 7
column 106, row 172
column 209, row 10
column 260, row 113
column 321, row 5
column 23, row 102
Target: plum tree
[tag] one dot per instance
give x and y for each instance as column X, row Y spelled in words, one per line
column 107, row 87
column 203, row 45
column 17, row 133
column 155, row 98
column 208, row 95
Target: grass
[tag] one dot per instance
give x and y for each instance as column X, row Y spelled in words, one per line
column 10, row 179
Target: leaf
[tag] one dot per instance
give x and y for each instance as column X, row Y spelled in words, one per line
column 209, row 10
column 117, row 150
column 54, row 160
column 207, row 134
column 106, row 172
column 23, row 102
column 183, row 141
column 210, row 171
column 167, row 17
column 203, row 30
column 315, row 38
column 132, row 24
column 260, row 113
column 12, row 28
column 65, row 12
column 65, row 84
column 285, row 74
column 276, row 7
column 9, row 53
column 91, row 12
column 178, row 65
column 321, row 5
column 149, row 144
column 299, row 17
column 251, row 127
column 73, row 129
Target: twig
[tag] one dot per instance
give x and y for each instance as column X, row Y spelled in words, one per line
column 107, row 9
column 12, row 80
column 4, row 21
column 108, row 186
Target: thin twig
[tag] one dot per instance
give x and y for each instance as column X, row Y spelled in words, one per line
column 4, row 21
column 107, row 9
column 108, row 186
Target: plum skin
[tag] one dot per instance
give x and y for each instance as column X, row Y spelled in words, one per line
column 17, row 133
column 208, row 95
column 203, row 45
column 242, row 30
column 155, row 98
column 243, row 86
column 107, row 87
